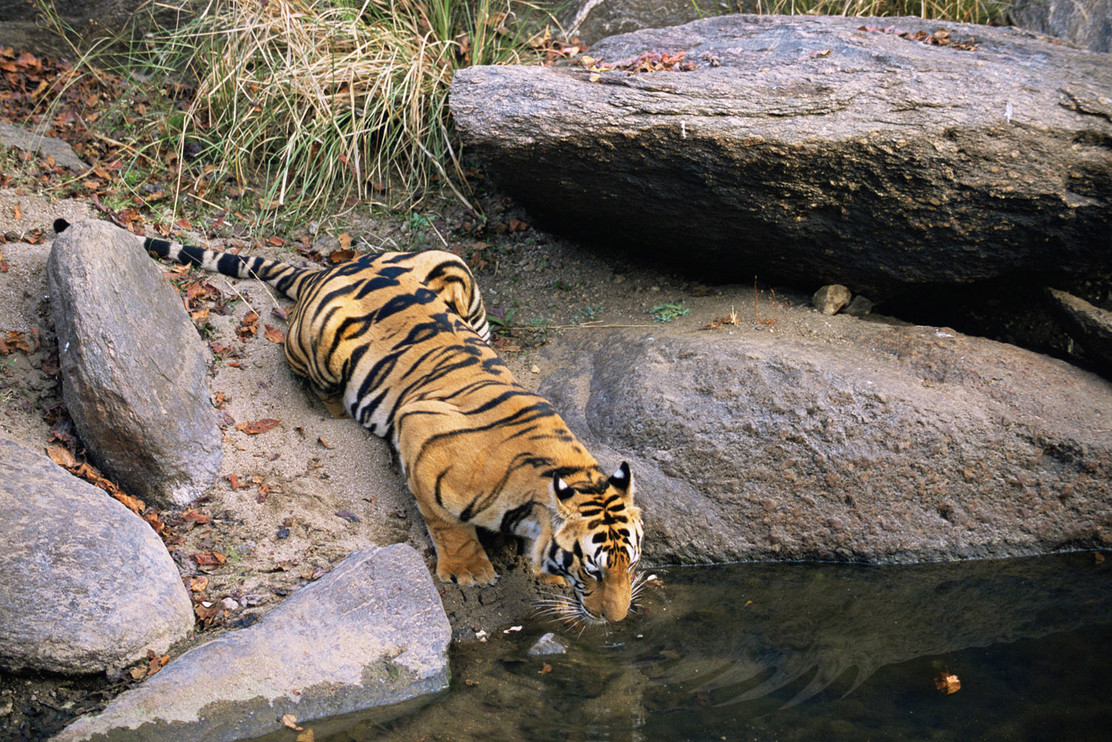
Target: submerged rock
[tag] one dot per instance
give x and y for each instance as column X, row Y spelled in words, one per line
column 548, row 644
column 134, row 377
column 847, row 440
column 870, row 152
column 371, row 633
column 86, row 586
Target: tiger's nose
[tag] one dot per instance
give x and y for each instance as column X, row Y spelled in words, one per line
column 615, row 610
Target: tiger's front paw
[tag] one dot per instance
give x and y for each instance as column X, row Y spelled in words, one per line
column 475, row 571
column 548, row 579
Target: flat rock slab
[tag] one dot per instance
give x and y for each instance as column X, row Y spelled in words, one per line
column 134, row 376
column 864, row 442
column 874, row 153
column 63, row 154
column 85, row 585
column 370, row 633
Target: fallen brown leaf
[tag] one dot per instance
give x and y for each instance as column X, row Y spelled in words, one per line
column 258, row 426
column 210, row 559
column 274, row 335
column 947, row 683
column 61, row 456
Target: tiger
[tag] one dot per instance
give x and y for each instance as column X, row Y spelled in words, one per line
column 399, row 341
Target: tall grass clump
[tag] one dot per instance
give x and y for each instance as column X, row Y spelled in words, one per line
column 324, row 100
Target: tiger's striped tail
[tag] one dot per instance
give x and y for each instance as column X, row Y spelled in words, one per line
column 286, row 278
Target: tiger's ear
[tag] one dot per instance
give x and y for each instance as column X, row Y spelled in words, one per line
column 561, row 489
column 622, row 480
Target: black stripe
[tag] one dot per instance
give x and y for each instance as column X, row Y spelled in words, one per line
column 161, row 248
column 514, row 516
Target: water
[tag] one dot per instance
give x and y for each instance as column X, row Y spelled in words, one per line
column 804, row 652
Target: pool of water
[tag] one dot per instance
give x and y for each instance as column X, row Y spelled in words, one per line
column 803, row 652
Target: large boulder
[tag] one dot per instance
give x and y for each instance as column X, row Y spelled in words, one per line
column 1086, row 23
column 369, row 634
column 85, row 585
column 133, row 366
column 843, row 440
column 594, row 20
column 869, row 152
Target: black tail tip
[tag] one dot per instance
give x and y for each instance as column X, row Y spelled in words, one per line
column 60, row 225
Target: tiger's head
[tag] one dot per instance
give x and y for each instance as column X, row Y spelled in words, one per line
column 596, row 544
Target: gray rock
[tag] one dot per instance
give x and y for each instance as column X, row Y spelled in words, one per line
column 870, row 443
column 594, row 20
column 85, row 585
column 370, row 633
column 133, row 366
column 860, row 306
column 1089, row 325
column 546, row 645
column 810, row 150
column 831, row 299
column 63, row 154
column 1086, row 23
column 24, row 27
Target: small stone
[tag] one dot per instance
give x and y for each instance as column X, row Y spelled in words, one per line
column 535, row 369
column 859, row 307
column 831, row 299
column 547, row 644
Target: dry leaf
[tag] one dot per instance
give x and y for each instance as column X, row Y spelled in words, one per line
column 274, row 335
column 61, row 456
column 290, row 722
column 197, row 517
column 258, row 426
column 209, row 559
column 198, row 584
column 341, row 256
column 947, row 683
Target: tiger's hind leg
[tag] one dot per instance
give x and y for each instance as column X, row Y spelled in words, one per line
column 460, row 558
column 334, row 403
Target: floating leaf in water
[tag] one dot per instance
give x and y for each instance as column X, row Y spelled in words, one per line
column 947, row 683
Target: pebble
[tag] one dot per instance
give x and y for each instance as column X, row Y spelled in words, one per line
column 831, row 299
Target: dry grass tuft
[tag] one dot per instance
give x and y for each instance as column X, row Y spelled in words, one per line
column 329, row 101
